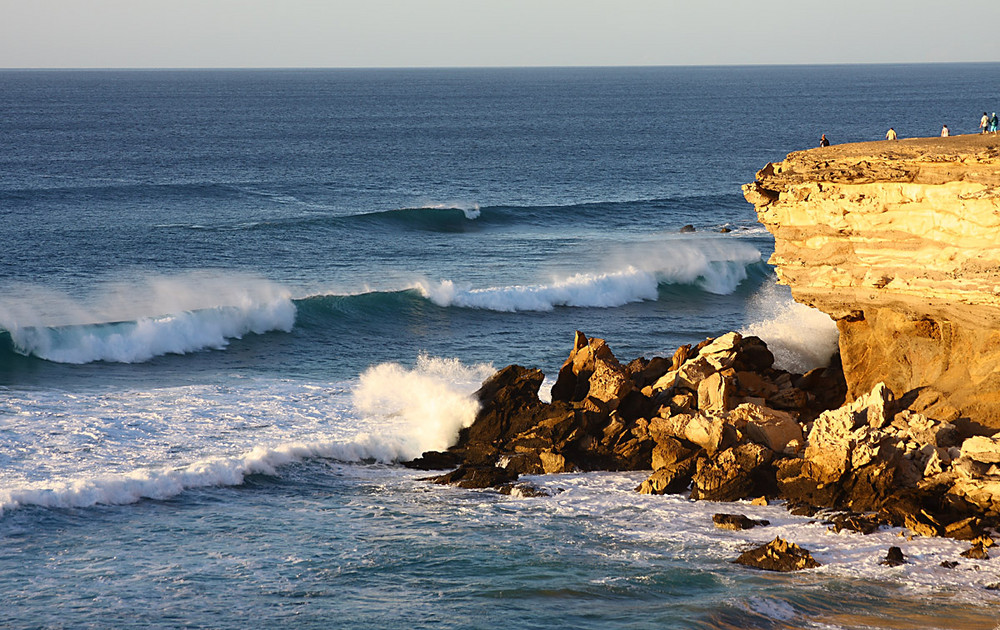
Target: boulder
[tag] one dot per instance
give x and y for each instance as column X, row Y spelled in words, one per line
column 715, row 393
column 740, row 472
column 737, row 521
column 982, row 449
column 778, row 555
column 894, row 557
column 672, row 479
column 668, row 451
column 466, row 476
column 777, row 430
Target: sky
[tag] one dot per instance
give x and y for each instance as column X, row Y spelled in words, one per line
column 461, row 33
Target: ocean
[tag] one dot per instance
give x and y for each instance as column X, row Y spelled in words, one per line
column 231, row 302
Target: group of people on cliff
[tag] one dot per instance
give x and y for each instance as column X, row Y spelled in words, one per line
column 987, row 124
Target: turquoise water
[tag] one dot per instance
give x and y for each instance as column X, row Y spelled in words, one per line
column 231, row 301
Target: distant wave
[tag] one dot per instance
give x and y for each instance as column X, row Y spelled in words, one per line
column 176, row 315
column 464, row 216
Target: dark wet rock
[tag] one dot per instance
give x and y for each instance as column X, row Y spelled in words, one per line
column 965, row 529
column 741, row 472
column 737, row 521
column 466, row 476
column 976, row 552
column 523, row 490
column 671, row 479
column 861, row 523
column 894, row 557
column 686, row 228
column 435, row 460
column 778, row 555
column 995, row 586
column 949, row 564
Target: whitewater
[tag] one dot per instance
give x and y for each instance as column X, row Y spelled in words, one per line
column 222, row 329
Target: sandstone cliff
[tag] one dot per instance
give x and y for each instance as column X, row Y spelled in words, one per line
column 900, row 243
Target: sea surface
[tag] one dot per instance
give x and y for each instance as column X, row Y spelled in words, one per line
column 232, row 301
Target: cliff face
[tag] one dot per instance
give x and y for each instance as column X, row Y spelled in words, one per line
column 899, row 242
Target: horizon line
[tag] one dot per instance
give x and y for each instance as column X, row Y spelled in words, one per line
column 504, row 67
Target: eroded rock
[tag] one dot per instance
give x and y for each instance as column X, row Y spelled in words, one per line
column 778, row 555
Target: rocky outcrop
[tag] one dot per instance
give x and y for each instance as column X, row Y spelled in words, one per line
column 898, row 242
column 874, row 460
column 778, row 555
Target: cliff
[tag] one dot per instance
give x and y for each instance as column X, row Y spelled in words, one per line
column 899, row 242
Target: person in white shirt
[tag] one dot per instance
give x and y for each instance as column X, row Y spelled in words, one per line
column 945, row 132
column 891, row 134
column 984, row 122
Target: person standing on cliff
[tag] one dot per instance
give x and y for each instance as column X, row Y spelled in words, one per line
column 993, row 123
column 823, row 142
column 891, row 134
column 984, row 122
column 945, row 132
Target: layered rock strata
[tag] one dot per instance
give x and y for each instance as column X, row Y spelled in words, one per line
column 899, row 242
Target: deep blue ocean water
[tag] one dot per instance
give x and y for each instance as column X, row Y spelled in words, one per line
column 230, row 301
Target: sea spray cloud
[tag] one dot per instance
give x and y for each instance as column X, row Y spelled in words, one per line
column 420, row 409
column 800, row 337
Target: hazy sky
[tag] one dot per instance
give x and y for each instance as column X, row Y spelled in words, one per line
column 398, row 33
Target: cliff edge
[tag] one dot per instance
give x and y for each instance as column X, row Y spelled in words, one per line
column 899, row 242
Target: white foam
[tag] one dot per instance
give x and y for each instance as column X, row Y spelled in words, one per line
column 422, row 408
column 800, row 337
column 78, row 449
column 134, row 321
column 710, row 264
column 469, row 209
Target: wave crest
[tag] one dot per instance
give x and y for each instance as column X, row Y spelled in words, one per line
column 712, row 266
column 132, row 322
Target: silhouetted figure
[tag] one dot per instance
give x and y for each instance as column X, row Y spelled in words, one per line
column 823, row 142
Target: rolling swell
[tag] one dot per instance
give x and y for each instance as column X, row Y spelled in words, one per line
column 668, row 213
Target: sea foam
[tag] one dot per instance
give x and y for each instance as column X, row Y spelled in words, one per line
column 711, row 265
column 134, row 321
column 800, row 337
column 121, row 447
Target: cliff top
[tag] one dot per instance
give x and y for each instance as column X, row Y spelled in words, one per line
column 972, row 157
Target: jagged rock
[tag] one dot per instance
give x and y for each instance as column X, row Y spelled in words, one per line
column 965, row 529
column 949, row 564
column 736, row 473
column 861, row 523
column 475, row 477
column 671, row 479
column 668, row 451
column 774, row 429
column 894, row 557
column 835, row 435
column 504, row 397
column 435, row 460
column 982, row 449
column 778, row 555
column 553, row 462
column 737, row 521
column 591, row 370
column 715, row 393
column 523, row 490
column 976, row 552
